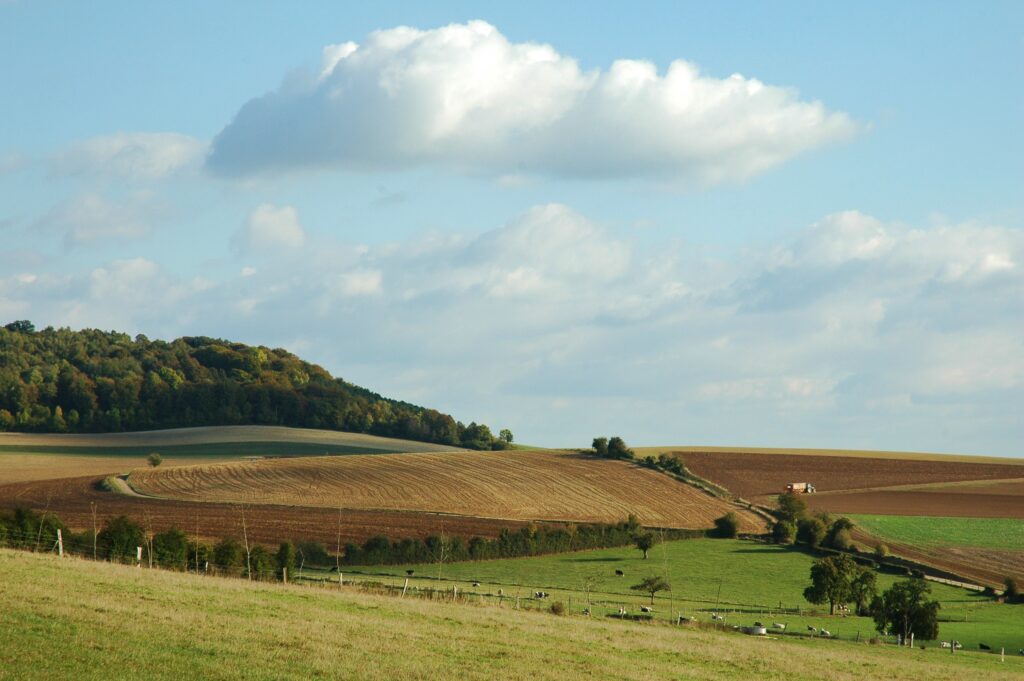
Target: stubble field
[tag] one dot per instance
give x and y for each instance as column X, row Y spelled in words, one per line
column 516, row 485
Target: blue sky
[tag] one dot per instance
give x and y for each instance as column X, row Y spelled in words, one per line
column 536, row 220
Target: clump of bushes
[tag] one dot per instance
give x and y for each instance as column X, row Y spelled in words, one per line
column 614, row 448
column 557, row 608
column 727, row 527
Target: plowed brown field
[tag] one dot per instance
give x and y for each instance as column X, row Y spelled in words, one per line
column 70, row 499
column 751, row 475
column 887, row 486
column 506, row 485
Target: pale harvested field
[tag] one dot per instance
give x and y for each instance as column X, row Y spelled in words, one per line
column 515, row 485
column 217, row 434
column 16, row 467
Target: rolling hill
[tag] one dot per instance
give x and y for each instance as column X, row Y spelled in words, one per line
column 59, row 380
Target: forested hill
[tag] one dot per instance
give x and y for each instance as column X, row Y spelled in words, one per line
column 59, row 380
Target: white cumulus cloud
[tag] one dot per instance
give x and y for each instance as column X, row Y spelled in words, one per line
column 466, row 97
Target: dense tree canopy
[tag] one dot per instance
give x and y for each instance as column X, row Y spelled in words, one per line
column 59, row 380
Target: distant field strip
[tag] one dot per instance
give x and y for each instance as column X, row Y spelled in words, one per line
column 218, row 434
column 542, row 485
column 751, row 475
column 987, row 533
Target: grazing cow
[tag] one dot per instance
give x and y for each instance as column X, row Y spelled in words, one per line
column 646, row 608
column 540, row 594
column 501, row 592
column 586, row 611
column 1020, row 651
column 476, row 584
column 779, row 625
column 825, row 632
column 945, row 644
column 811, row 629
column 718, row 618
column 758, row 624
column 982, row 646
column 622, row 610
column 409, row 572
column 619, row 573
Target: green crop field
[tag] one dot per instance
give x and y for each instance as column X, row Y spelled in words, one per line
column 74, row 619
column 743, row 580
column 990, row 533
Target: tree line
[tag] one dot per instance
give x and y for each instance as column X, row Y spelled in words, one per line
column 531, row 540
column 59, row 380
column 119, row 538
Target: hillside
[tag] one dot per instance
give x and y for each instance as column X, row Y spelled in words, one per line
column 520, row 485
column 117, row 622
column 64, row 381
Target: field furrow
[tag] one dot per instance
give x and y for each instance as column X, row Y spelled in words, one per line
column 513, row 485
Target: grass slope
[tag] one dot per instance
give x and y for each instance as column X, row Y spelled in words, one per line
column 78, row 620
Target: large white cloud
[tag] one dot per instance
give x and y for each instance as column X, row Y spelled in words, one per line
column 131, row 155
column 858, row 332
column 464, row 96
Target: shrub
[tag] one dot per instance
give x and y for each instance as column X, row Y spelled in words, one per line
column 119, row 539
column 557, row 608
column 154, row 459
column 1012, row 591
column 170, row 549
column 228, row 554
column 783, row 532
column 881, row 550
column 810, row 531
column 841, row 540
column 728, row 526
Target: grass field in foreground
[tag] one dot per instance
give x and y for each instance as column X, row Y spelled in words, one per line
column 754, row 580
column 989, row 533
column 71, row 619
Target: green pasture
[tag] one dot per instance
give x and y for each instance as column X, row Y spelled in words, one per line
column 987, row 533
column 742, row 580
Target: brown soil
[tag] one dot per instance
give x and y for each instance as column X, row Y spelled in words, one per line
column 70, row 500
column 966, row 503
column 755, row 475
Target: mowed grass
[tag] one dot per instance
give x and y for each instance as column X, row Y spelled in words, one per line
column 931, row 531
column 989, row 533
column 69, row 619
column 744, row 580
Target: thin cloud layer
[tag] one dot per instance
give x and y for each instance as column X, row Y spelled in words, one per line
column 269, row 229
column 130, row 155
column 557, row 326
column 456, row 97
